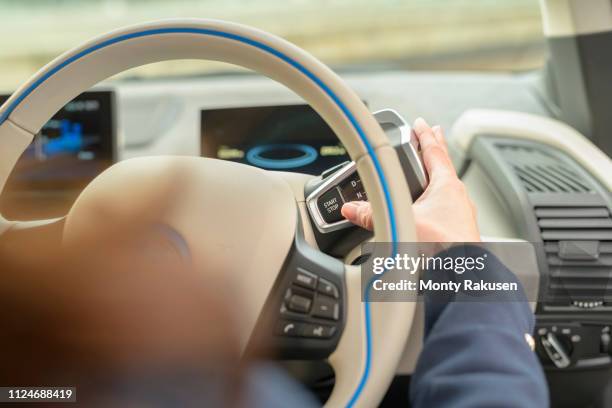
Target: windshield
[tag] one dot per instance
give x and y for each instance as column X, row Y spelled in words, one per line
column 346, row 34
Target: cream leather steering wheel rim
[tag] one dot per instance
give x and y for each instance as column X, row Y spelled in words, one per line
column 374, row 334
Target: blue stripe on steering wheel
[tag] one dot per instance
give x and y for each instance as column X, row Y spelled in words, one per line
column 296, row 65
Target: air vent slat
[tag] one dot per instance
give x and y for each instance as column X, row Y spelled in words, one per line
column 599, row 223
column 577, row 234
column 567, row 285
column 554, row 260
column 601, row 272
column 552, row 247
column 572, row 212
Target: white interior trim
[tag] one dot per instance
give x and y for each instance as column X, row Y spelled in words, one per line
column 562, row 18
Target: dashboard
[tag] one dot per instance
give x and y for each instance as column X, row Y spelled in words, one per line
column 524, row 189
column 139, row 118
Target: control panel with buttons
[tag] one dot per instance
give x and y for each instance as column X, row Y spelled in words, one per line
column 574, row 345
column 300, row 329
column 309, row 311
column 305, row 312
column 342, row 183
column 309, row 298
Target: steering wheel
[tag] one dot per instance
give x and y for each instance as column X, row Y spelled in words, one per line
column 363, row 341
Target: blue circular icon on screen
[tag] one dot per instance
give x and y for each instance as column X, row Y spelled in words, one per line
column 264, row 156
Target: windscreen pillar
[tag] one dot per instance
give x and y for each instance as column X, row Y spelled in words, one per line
column 579, row 37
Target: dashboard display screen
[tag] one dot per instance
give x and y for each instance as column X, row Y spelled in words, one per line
column 76, row 145
column 285, row 138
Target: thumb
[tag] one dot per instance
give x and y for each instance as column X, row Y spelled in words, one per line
column 359, row 213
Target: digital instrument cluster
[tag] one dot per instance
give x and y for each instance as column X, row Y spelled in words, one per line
column 76, row 145
column 286, row 138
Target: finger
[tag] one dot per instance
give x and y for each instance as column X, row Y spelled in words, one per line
column 359, row 213
column 439, row 135
column 435, row 158
column 474, row 209
column 420, row 126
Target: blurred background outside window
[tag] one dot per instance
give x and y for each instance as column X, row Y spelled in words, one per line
column 473, row 35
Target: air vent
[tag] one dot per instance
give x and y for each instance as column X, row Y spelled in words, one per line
column 542, row 172
column 578, row 247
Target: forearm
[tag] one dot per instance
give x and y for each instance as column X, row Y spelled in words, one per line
column 475, row 352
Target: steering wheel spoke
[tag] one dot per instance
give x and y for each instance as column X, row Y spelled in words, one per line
column 305, row 312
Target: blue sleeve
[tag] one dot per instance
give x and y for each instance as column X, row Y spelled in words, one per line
column 268, row 386
column 474, row 352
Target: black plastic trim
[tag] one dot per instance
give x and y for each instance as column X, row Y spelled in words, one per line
column 302, row 256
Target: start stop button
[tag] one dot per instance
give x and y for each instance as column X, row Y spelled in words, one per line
column 330, row 205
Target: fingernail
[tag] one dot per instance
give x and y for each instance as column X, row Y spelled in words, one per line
column 420, row 125
column 349, row 210
column 437, row 129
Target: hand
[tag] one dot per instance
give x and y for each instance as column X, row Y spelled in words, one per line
column 444, row 212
